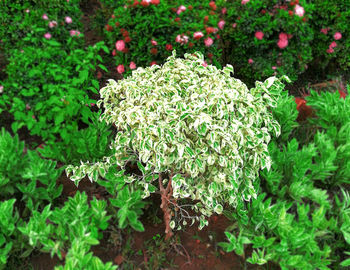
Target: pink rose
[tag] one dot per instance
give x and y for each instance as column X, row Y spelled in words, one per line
column 1, row 89
column 27, row 10
column 198, row 35
column 282, row 43
column 52, row 24
column 299, row 10
column 244, row 2
column 68, row 20
column 182, row 39
column 283, row 36
column 132, row 65
column 224, row 11
column 337, row 36
column 221, row 24
column 120, row 45
column 324, row 30
column 208, row 41
column 47, row 36
column 205, row 64
column 330, row 50
column 120, row 69
column 274, row 68
column 154, row 43
column 114, row 53
column 333, row 45
column 74, row 33
column 259, row 35
column 45, row 17
column 250, row 61
column 153, row 63
column 180, row 9
column 234, row 25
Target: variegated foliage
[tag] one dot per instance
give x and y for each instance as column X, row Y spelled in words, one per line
column 198, row 123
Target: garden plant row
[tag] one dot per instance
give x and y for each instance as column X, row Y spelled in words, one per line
column 278, row 167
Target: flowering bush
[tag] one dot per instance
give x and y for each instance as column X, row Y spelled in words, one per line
column 193, row 128
column 266, row 37
column 143, row 33
column 331, row 21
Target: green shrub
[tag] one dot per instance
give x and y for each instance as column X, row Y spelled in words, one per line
column 194, row 128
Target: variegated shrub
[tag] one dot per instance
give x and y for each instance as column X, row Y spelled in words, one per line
column 192, row 127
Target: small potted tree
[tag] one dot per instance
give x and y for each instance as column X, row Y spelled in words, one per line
column 196, row 134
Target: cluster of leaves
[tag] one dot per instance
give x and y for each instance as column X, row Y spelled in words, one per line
column 302, row 218
column 175, row 119
column 28, row 180
column 139, row 23
column 70, row 231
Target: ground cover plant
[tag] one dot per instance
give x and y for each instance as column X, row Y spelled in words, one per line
column 177, row 162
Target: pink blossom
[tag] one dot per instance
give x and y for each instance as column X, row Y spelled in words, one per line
column 47, row 36
column 205, row 64
column 250, row 61
column 120, row 69
column 182, row 39
column 283, row 36
column 244, row 2
column 259, row 35
column 1, row 89
column 221, row 24
column 132, row 65
column 154, row 43
column 197, row 35
column 74, row 33
column 153, row 63
column 52, row 24
column 208, row 41
column 120, row 45
column 325, row 30
column 274, row 68
column 114, row 53
column 215, row 30
column 333, row 45
column 299, row 10
column 224, row 11
column 282, row 43
column 68, row 20
column 337, row 36
column 180, row 9
column 27, row 10
column 45, row 16
column 234, row 25
column 330, row 50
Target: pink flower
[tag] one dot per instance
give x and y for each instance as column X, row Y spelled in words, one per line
column 221, row 24
column 154, row 43
column 330, row 50
column 324, row 30
column 234, row 25
column 205, row 64
column 250, row 61
column 282, row 43
column 180, row 9
column 68, row 20
column 120, row 69
column 47, row 36
column 198, row 35
column 244, row 2
column 27, row 10
column 52, row 24
column 1, row 89
column 120, row 45
column 337, row 36
column 208, row 41
column 274, row 68
column 132, row 65
column 182, row 39
column 259, row 35
column 333, row 45
column 114, row 53
column 224, row 11
column 74, row 33
column 283, row 36
column 153, row 63
column 299, row 10
column 45, row 16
